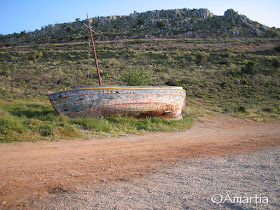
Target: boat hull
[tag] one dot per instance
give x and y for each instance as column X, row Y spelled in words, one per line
column 97, row 101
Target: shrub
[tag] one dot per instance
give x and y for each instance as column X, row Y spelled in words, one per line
column 276, row 63
column 201, row 58
column 113, row 62
column 160, row 24
column 70, row 29
column 36, row 55
column 277, row 48
column 250, row 68
column 136, row 77
column 241, row 109
column 140, row 21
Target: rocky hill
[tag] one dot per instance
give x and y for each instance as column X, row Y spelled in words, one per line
column 176, row 23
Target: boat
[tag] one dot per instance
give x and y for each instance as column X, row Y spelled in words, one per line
column 107, row 101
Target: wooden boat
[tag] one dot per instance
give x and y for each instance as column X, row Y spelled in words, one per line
column 137, row 101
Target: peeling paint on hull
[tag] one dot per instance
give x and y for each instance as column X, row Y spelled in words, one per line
column 97, row 101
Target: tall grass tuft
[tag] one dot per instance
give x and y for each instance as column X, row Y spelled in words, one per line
column 30, row 122
column 96, row 125
column 10, row 123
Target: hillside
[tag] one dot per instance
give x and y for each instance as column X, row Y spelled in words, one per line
column 240, row 76
column 176, row 23
column 233, row 75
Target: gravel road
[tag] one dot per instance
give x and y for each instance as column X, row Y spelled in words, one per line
column 191, row 184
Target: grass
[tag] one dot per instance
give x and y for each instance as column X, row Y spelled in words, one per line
column 240, row 82
column 22, row 120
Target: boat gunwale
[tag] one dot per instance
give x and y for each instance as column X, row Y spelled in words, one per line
column 67, row 96
column 122, row 88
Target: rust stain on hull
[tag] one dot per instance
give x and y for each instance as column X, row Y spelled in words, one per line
column 106, row 101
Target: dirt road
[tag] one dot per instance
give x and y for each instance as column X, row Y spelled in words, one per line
column 29, row 170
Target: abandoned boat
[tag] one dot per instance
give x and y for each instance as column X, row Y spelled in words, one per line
column 137, row 101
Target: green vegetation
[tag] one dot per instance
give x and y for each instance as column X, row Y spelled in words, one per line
column 30, row 121
column 216, row 77
column 160, row 24
column 136, row 77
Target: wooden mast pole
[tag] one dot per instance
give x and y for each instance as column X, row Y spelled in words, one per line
column 95, row 57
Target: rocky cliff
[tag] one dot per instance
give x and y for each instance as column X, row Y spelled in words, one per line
column 177, row 23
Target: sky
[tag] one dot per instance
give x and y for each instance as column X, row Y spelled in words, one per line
column 28, row 15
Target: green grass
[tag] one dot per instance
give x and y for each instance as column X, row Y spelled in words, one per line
column 219, row 79
column 119, row 126
column 22, row 120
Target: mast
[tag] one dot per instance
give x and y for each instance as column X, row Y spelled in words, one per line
column 95, row 57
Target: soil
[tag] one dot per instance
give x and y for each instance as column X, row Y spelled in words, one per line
column 196, row 183
column 33, row 174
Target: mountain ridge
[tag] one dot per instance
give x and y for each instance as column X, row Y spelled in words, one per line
column 173, row 23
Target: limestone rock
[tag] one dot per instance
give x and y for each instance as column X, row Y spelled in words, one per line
column 175, row 23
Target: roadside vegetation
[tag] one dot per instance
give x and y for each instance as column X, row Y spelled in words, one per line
column 217, row 78
column 22, row 120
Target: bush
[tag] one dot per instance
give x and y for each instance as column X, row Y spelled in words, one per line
column 241, row 109
column 113, row 62
column 201, row 58
column 70, row 29
column 136, row 77
column 160, row 24
column 277, row 48
column 276, row 63
column 250, row 68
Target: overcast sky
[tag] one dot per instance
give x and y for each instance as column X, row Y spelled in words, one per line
column 19, row 15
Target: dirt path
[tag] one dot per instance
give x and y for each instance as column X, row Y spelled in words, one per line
column 32, row 170
column 189, row 184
